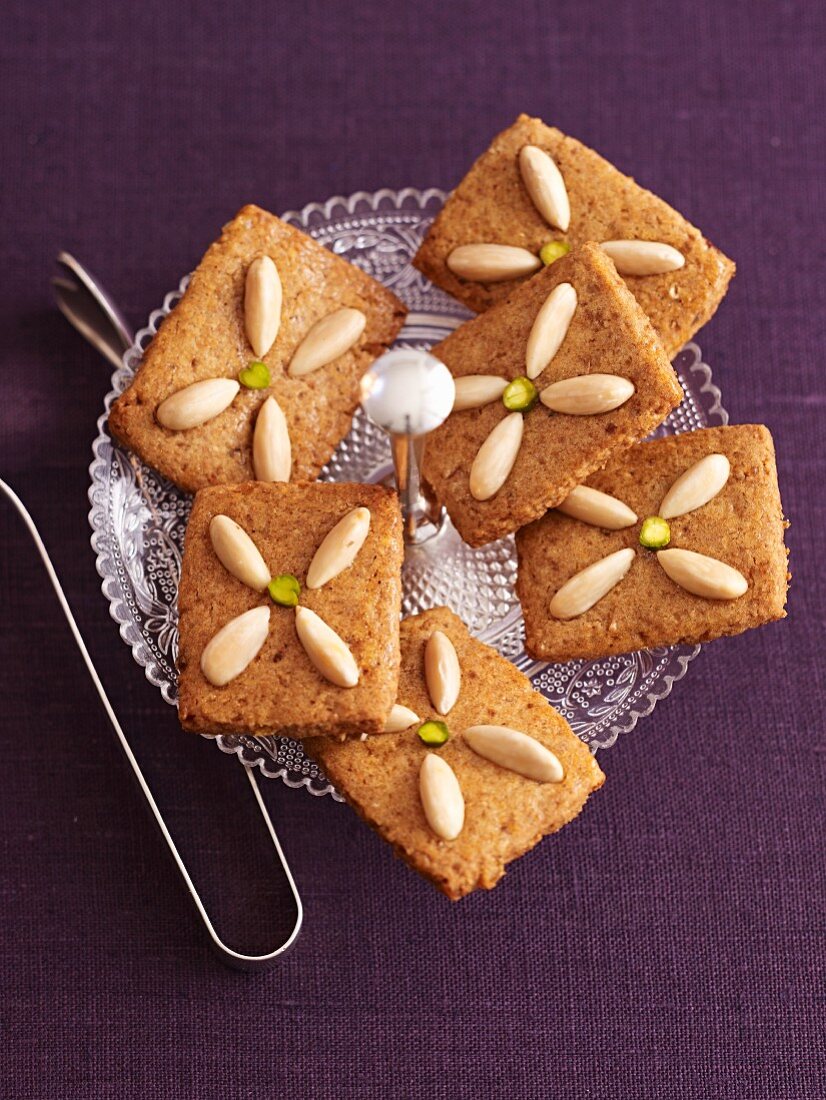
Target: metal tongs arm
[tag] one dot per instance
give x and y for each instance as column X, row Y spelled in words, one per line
column 233, row 958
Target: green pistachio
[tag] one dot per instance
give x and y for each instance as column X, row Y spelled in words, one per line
column 255, row 376
column 655, row 534
column 433, row 732
column 285, row 589
column 520, row 395
column 553, row 250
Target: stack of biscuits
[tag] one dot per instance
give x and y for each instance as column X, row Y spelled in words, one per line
column 585, row 286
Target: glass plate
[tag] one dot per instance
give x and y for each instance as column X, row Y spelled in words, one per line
column 138, row 518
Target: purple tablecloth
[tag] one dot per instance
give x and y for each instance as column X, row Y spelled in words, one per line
column 670, row 942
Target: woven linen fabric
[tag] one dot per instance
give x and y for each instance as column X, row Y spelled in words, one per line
column 669, row 943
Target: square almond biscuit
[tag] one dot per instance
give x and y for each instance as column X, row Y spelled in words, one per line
column 205, row 337
column 278, row 688
column 505, row 813
column 608, row 334
column 492, row 205
column 728, row 509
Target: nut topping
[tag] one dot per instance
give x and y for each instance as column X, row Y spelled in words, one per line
column 695, row 487
column 339, row 548
column 441, row 796
column 271, row 450
column 550, row 328
column 598, row 509
column 238, row 553
column 326, row 650
column 495, row 458
column 544, row 183
column 587, row 394
column 442, row 672
column 703, row 576
column 475, row 390
column 400, row 718
column 234, row 646
column 587, row 587
column 262, row 304
column 328, row 339
column 492, row 263
column 196, row 404
column 643, row 257
column 515, row 751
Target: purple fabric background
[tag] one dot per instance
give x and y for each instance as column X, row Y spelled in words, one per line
column 670, row 943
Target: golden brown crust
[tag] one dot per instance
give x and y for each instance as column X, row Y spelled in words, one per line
column 281, row 692
column 204, row 337
column 491, row 205
column 743, row 526
column 609, row 334
column 505, row 814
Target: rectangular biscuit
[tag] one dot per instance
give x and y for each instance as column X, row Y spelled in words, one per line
column 609, row 334
column 491, row 205
column 505, row 814
column 280, row 691
column 742, row 526
column 204, row 337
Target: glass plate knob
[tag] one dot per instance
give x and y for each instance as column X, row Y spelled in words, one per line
column 409, row 393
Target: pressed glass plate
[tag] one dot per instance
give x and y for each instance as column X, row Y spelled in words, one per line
column 138, row 518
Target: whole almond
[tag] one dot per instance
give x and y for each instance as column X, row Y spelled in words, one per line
column 697, row 486
column 338, row 550
column 441, row 796
column 475, row 390
column 442, row 672
column 544, row 183
column 262, row 304
column 400, row 718
column 327, row 340
column 492, row 263
column 588, row 586
column 495, row 458
column 234, row 646
column 238, row 553
column 703, row 576
column 326, row 650
column 643, row 257
column 587, row 394
column 515, row 751
column 550, row 328
column 598, row 509
column 271, row 450
column 196, row 404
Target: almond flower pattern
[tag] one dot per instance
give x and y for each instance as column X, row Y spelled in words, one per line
column 440, row 790
column 239, row 641
column 698, row 574
column 581, row 395
column 326, row 340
